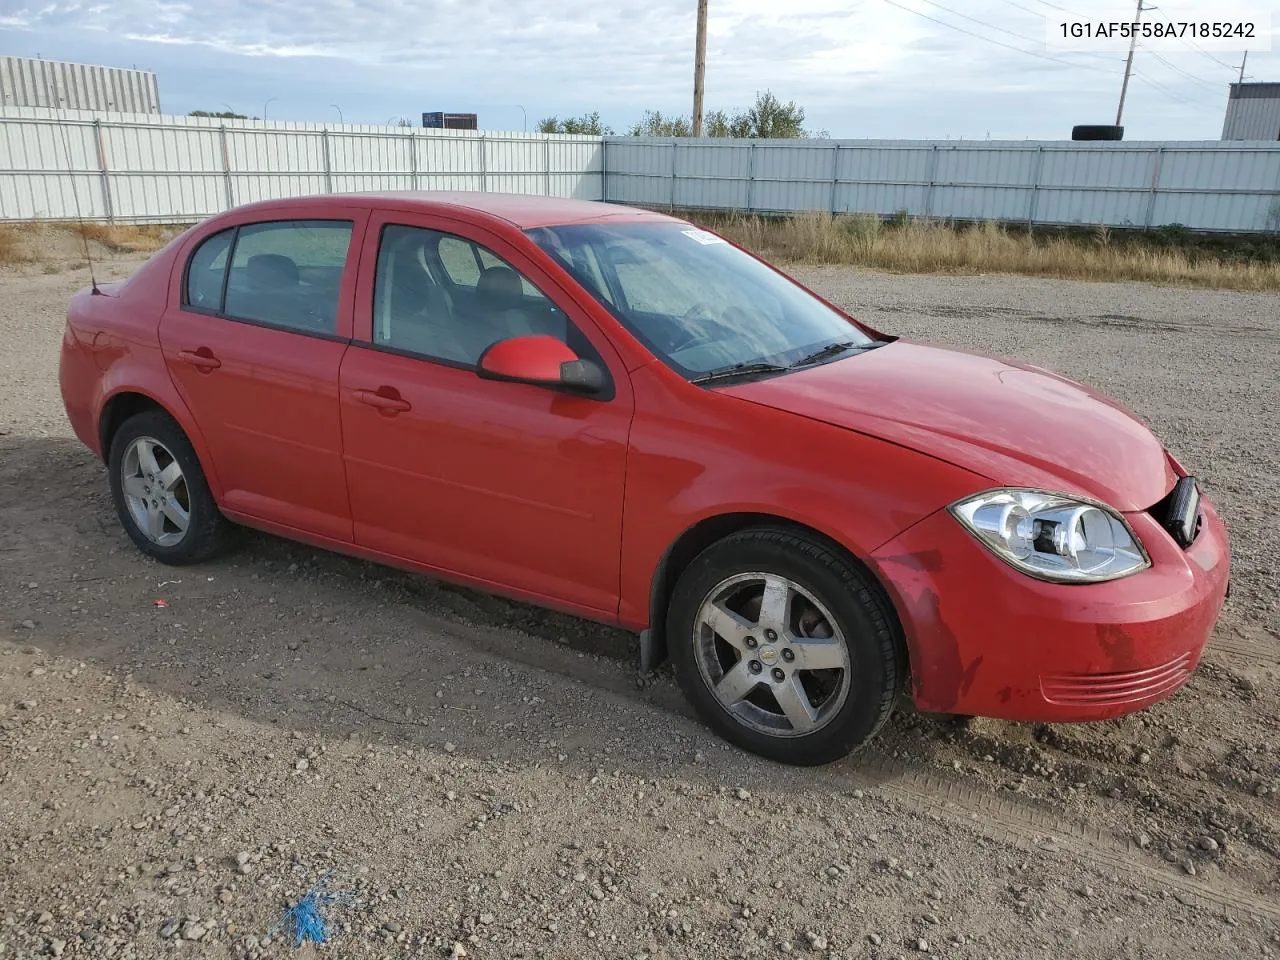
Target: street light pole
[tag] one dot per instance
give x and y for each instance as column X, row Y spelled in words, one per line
column 339, row 109
column 270, row 100
column 524, row 119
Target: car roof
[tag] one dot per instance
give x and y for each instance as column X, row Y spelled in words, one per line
column 520, row 210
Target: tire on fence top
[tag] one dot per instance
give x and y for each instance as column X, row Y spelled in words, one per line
column 1096, row 131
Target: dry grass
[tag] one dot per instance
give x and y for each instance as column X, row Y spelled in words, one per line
column 916, row 247
column 122, row 238
column 12, row 250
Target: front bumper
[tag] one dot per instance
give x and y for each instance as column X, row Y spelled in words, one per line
column 987, row 640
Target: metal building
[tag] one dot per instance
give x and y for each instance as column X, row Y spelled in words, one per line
column 25, row 82
column 1253, row 112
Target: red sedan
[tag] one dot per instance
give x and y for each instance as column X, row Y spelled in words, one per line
column 613, row 413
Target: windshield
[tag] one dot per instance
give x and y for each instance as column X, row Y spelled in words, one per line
column 699, row 303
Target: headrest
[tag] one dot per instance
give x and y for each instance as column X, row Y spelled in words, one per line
column 500, row 287
column 271, row 271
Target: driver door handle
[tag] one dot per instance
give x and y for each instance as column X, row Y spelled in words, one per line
column 387, row 399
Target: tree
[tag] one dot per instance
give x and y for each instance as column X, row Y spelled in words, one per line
column 587, row 125
column 767, row 118
column 655, row 124
column 219, row 115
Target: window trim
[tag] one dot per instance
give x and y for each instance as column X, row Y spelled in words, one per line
column 234, row 230
column 607, row 393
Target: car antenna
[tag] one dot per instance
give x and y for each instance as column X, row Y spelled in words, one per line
column 75, row 191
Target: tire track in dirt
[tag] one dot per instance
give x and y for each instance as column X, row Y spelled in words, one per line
column 975, row 808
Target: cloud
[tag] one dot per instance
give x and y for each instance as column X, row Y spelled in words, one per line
column 866, row 68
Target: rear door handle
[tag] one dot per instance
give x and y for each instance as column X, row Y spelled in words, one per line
column 385, row 398
column 202, row 359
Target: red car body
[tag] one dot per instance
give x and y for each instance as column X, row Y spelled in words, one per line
column 591, row 507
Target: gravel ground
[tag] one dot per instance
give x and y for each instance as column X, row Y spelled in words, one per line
column 489, row 780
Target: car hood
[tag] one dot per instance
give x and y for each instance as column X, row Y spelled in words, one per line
column 1015, row 425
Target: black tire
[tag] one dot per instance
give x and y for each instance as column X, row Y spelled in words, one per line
column 856, row 603
column 207, row 529
column 1096, row 131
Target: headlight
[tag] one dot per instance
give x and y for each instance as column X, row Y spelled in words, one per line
column 1053, row 537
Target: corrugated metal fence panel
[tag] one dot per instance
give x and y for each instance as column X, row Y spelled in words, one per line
column 1208, row 185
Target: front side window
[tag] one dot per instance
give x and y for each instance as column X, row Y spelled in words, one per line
column 441, row 296
column 288, row 274
column 699, row 303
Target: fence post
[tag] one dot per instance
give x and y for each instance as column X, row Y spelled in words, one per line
column 1038, row 166
column 1157, row 161
column 328, row 164
column 226, row 167
column 484, row 165
column 835, row 175
column 751, row 172
column 604, row 169
column 546, row 164
column 102, row 170
column 933, row 177
column 412, row 140
column 671, row 203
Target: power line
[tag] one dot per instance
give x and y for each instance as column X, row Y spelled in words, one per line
column 1173, row 66
column 992, row 26
column 998, row 43
column 1221, row 63
column 1167, row 91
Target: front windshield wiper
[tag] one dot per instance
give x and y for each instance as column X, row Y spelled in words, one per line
column 739, row 370
column 833, row 349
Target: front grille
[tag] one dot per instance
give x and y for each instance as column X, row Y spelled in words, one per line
column 1101, row 689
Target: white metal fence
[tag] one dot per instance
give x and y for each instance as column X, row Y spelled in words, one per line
column 134, row 168
column 1201, row 185
column 137, row 168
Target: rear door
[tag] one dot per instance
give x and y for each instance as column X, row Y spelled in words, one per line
column 253, row 337
column 510, row 485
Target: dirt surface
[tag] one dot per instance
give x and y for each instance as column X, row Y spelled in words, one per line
column 489, row 780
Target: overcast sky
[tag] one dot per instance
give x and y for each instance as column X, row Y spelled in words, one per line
column 860, row 68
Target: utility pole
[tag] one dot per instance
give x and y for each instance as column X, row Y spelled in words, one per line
column 1243, row 61
column 699, row 67
column 1128, row 64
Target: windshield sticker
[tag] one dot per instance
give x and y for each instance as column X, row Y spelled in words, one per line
column 702, row 236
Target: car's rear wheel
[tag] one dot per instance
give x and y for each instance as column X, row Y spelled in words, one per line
column 160, row 492
column 785, row 647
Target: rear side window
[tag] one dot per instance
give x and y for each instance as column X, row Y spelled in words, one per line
column 287, row 274
column 205, row 273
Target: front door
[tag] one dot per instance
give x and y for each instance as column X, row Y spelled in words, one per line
column 253, row 339
column 504, row 484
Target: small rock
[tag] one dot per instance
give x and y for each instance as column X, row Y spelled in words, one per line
column 833, row 871
column 785, row 946
column 242, row 858
column 486, row 918
column 458, row 951
column 1189, row 867
column 45, row 917
column 28, row 704
column 302, row 763
column 874, row 939
column 28, row 624
column 579, row 877
column 170, row 927
column 57, row 946
column 1086, row 892
column 391, row 927
column 450, row 747
column 1208, row 843
column 816, row 940
column 743, row 794
column 1143, row 840
column 922, row 944
column 1144, row 757
column 193, row 931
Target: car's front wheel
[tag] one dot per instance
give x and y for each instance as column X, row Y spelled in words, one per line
column 160, row 492
column 784, row 646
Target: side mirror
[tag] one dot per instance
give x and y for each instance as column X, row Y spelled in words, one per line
column 542, row 361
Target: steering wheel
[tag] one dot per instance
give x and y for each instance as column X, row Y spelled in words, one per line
column 698, row 313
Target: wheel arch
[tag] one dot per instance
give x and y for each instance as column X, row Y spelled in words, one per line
column 682, row 551
column 129, row 401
